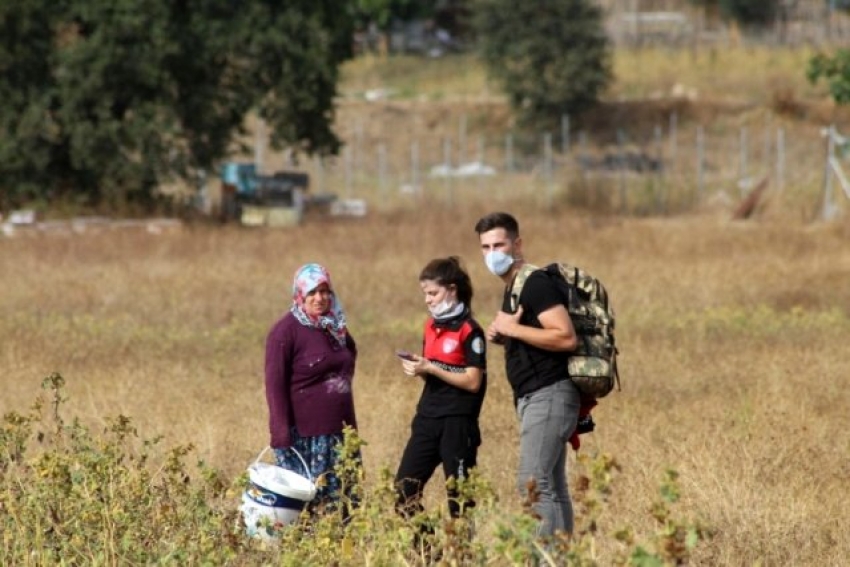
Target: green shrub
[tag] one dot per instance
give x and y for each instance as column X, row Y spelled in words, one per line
column 550, row 58
column 68, row 496
column 77, row 498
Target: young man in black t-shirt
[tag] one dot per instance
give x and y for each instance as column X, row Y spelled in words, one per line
column 538, row 335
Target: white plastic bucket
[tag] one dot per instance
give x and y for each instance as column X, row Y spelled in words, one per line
column 274, row 497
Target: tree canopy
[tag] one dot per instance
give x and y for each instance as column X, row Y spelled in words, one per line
column 551, row 57
column 103, row 99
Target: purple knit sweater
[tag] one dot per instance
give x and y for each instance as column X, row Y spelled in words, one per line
column 308, row 381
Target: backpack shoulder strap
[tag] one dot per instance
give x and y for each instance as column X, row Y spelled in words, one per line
column 518, row 283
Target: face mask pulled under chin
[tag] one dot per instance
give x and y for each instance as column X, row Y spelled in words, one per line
column 442, row 308
column 498, row 262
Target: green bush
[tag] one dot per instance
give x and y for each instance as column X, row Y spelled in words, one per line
column 835, row 71
column 550, row 58
column 76, row 498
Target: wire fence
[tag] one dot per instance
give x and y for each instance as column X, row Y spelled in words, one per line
column 682, row 22
column 668, row 169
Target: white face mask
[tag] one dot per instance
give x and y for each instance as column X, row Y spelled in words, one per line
column 442, row 308
column 498, row 262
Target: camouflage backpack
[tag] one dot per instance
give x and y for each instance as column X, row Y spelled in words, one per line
column 592, row 366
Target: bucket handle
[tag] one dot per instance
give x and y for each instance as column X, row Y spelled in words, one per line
column 297, row 454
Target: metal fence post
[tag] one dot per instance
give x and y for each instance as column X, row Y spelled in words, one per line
column 621, row 143
column 259, row 144
column 828, row 208
column 659, row 179
column 382, row 170
column 414, row 166
column 780, row 160
column 742, row 163
column 358, row 145
column 461, row 142
column 700, row 164
column 547, row 167
column 584, row 159
column 674, row 140
column 479, row 158
column 320, row 175
column 346, row 158
column 447, row 163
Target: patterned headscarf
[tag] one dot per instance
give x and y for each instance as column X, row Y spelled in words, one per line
column 307, row 278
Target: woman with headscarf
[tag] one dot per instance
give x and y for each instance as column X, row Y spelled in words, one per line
column 310, row 359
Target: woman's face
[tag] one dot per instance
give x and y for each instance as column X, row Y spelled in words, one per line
column 318, row 301
column 435, row 293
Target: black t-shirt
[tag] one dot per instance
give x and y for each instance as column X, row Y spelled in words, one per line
column 454, row 345
column 528, row 367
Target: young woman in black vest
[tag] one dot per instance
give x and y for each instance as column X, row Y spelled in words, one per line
column 453, row 370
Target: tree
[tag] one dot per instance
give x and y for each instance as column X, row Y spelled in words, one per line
column 551, row 57
column 835, row 70
column 104, row 99
column 27, row 132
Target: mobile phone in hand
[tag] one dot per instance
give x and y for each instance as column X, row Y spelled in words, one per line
column 404, row 355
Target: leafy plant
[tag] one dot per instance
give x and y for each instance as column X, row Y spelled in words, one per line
column 674, row 539
column 835, row 70
column 79, row 498
column 72, row 497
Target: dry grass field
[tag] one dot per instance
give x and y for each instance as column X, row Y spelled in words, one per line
column 727, row 72
column 734, row 340
column 734, row 335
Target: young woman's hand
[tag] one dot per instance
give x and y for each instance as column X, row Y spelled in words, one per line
column 417, row 366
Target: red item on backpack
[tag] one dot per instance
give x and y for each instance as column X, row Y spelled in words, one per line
column 587, row 404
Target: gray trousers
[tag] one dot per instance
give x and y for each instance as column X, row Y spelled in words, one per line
column 547, row 418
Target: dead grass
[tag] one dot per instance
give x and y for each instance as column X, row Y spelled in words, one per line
column 748, row 74
column 731, row 335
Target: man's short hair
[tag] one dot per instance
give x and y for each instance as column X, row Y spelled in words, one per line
column 498, row 220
